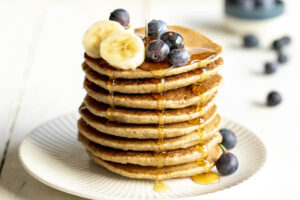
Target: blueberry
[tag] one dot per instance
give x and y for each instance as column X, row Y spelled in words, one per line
column 227, row 163
column 173, row 39
column 121, row 16
column 229, row 138
column 274, row 98
column 281, row 57
column 157, row 51
column 156, row 28
column 179, row 57
column 271, row 67
column 250, row 41
column 278, row 44
column 286, row 40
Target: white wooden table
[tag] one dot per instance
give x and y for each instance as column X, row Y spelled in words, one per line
column 40, row 78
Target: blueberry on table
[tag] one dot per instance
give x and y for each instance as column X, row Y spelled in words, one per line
column 281, row 57
column 250, row 41
column 273, row 98
column 286, row 40
column 229, row 139
column 173, row 39
column 156, row 28
column 157, row 51
column 121, row 16
column 227, row 163
column 179, row 57
column 271, row 67
column 278, row 44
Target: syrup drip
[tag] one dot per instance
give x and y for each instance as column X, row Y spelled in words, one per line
column 161, row 120
column 160, row 156
column 159, row 186
column 202, row 134
column 160, row 85
column 160, row 100
column 202, row 149
column 200, row 109
column 110, row 83
column 206, row 178
column 202, row 72
column 205, row 164
column 110, row 117
column 197, row 121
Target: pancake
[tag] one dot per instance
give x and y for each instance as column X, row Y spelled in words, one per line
column 125, row 144
column 144, row 131
column 146, row 158
column 152, row 85
column 154, row 173
column 178, row 98
column 134, row 116
column 192, row 39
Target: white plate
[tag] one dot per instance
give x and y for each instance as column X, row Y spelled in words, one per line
column 52, row 154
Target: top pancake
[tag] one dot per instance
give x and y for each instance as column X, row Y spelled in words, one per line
column 194, row 42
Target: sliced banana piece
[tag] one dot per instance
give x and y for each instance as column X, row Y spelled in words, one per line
column 123, row 50
column 96, row 34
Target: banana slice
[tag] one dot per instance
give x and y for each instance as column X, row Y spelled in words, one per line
column 123, row 50
column 96, row 34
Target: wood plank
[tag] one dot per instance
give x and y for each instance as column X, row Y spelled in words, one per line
column 15, row 49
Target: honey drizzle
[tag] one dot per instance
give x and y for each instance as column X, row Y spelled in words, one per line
column 161, row 85
column 161, row 106
column 110, row 84
column 206, row 178
column 159, row 186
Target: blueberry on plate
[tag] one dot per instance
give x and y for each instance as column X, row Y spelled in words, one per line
column 173, row 39
column 156, row 28
column 271, row 67
column 157, row 51
column 227, row 163
column 273, row 98
column 179, row 57
column 250, row 41
column 121, row 16
column 229, row 138
column 281, row 57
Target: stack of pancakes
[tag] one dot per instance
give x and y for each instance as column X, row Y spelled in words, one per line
column 158, row 121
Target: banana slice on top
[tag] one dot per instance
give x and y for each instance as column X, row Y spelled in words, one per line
column 123, row 50
column 96, row 34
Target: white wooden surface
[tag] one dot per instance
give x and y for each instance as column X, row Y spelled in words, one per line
column 40, row 78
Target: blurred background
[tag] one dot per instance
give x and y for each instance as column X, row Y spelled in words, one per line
column 41, row 77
